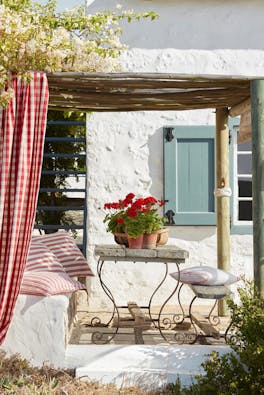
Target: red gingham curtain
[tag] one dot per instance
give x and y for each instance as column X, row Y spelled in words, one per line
column 22, row 132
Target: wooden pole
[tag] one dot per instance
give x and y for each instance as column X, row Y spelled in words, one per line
column 257, row 106
column 223, row 206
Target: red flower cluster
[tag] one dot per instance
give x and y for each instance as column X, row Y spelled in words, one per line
column 134, row 215
column 133, row 207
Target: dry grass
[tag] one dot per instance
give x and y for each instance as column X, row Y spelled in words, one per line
column 18, row 377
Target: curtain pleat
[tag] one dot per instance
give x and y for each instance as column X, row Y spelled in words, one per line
column 22, row 133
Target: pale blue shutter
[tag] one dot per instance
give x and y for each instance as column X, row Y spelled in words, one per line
column 189, row 174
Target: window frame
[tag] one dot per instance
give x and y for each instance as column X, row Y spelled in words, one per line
column 237, row 226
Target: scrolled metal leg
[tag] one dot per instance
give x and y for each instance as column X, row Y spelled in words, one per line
column 98, row 337
column 176, row 317
column 155, row 291
column 191, row 338
column 214, row 320
column 166, row 321
column 230, row 335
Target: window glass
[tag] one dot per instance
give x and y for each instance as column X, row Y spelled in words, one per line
column 245, row 146
column 243, row 177
column 244, row 164
column 245, row 210
column 244, row 187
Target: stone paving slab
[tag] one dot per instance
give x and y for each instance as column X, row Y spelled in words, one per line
column 82, row 331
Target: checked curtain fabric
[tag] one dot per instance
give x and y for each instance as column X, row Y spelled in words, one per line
column 22, row 132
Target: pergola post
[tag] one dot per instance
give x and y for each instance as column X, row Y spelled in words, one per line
column 257, row 109
column 223, row 206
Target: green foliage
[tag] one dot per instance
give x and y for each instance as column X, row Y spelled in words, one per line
column 35, row 37
column 135, row 226
column 135, row 216
column 153, row 221
column 60, row 164
column 242, row 370
column 113, row 226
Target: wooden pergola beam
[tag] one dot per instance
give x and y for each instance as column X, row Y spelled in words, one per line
column 240, row 108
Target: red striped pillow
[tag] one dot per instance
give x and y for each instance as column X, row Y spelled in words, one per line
column 41, row 258
column 64, row 247
column 48, row 283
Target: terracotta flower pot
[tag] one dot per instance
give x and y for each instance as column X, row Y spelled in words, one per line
column 135, row 243
column 121, row 238
column 163, row 236
column 150, row 240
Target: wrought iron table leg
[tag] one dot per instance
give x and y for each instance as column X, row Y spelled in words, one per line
column 167, row 321
column 152, row 296
column 97, row 337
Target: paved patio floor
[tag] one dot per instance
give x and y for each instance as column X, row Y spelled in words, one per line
column 172, row 332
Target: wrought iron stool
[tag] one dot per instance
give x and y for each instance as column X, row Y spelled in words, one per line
column 208, row 323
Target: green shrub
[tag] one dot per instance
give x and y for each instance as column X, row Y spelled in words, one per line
column 242, row 370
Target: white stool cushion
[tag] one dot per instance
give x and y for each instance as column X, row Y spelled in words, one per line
column 205, row 275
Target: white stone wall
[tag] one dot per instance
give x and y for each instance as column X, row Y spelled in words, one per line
column 192, row 24
column 124, row 150
column 39, row 330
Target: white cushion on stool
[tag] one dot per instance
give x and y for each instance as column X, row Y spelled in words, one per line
column 205, row 275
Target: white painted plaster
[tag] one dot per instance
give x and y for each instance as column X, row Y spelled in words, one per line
column 149, row 367
column 125, row 149
column 124, row 152
column 192, row 24
column 38, row 330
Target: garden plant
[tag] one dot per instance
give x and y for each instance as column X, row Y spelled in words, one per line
column 35, row 37
column 240, row 371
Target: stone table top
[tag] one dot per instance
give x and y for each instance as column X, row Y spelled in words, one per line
column 116, row 252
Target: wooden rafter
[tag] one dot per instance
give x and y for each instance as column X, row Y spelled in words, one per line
column 147, row 91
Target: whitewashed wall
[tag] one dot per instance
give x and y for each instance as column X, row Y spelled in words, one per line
column 125, row 149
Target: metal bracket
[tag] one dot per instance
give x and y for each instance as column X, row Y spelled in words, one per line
column 169, row 215
column 168, row 134
column 230, row 137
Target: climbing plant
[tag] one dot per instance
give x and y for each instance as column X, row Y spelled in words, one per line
column 36, row 37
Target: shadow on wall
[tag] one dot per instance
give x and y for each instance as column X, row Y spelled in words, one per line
column 155, row 162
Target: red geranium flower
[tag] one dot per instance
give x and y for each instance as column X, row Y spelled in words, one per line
column 130, row 196
column 137, row 205
column 146, row 210
column 131, row 212
column 115, row 206
column 150, row 200
column 134, row 216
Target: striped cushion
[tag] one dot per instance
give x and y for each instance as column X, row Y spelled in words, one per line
column 64, row 247
column 41, row 258
column 48, row 283
column 205, row 275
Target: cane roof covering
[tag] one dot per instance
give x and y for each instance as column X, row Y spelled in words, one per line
column 148, row 91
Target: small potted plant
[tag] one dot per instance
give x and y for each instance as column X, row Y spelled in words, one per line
column 137, row 217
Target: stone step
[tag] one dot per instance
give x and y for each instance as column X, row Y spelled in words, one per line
column 147, row 366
